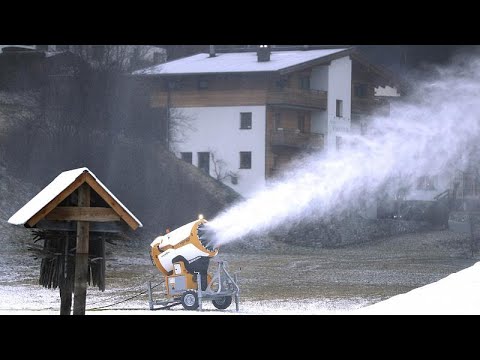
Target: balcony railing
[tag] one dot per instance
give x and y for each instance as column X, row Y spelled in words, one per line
column 296, row 139
column 316, row 99
column 370, row 106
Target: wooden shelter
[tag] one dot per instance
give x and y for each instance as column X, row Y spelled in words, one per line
column 75, row 201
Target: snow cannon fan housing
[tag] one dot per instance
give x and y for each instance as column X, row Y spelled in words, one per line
column 189, row 244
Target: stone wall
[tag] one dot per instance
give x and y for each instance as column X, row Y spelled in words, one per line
column 319, row 233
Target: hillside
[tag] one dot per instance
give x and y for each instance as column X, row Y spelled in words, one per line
column 159, row 189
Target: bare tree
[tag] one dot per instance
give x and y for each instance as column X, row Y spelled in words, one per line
column 220, row 168
column 115, row 58
column 178, row 124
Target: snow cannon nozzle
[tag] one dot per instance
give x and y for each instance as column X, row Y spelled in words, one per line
column 207, row 237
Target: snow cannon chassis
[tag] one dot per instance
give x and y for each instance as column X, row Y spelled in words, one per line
column 221, row 290
column 183, row 257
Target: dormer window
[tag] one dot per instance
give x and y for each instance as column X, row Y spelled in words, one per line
column 203, row 84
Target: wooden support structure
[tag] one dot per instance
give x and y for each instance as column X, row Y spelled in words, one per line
column 66, row 283
column 65, row 259
column 69, row 213
column 81, row 258
column 102, row 227
column 56, row 201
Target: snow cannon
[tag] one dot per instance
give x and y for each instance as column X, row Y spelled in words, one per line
column 183, row 257
column 186, row 245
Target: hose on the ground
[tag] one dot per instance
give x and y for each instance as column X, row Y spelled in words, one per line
column 133, row 297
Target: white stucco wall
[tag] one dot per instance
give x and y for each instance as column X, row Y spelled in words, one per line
column 217, row 129
column 339, row 88
column 319, row 122
column 319, row 78
column 335, row 78
column 319, row 81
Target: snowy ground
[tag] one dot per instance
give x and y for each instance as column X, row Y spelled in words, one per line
column 361, row 279
column 457, row 294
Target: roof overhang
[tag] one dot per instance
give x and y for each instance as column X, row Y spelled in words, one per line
column 389, row 78
column 59, row 189
column 324, row 60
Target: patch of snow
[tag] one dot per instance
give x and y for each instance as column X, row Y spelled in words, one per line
column 386, row 91
column 456, row 294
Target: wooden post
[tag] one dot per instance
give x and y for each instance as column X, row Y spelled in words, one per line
column 81, row 257
column 66, row 282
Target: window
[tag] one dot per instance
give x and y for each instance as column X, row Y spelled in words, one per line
column 275, row 162
column 338, row 142
column 245, row 159
column 203, row 84
column 204, row 161
column 301, row 123
column 339, row 108
column 173, row 84
column 281, row 83
column 187, row 157
column 278, row 120
column 305, row 82
column 470, row 184
column 360, row 90
column 245, row 120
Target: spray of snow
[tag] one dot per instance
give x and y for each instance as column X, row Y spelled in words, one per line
column 431, row 133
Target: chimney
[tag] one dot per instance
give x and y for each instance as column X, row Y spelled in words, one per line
column 263, row 53
column 212, row 51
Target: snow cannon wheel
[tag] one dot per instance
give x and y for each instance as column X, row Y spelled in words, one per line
column 222, row 303
column 189, row 300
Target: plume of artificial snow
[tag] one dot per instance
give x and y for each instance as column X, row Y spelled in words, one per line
column 431, row 133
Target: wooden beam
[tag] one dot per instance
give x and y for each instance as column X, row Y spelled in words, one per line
column 107, row 227
column 98, row 214
column 111, row 202
column 57, row 200
column 81, row 256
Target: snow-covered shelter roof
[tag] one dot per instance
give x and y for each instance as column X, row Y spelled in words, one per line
column 240, row 62
column 62, row 186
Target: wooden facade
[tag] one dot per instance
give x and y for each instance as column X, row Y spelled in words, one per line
column 365, row 79
column 285, row 100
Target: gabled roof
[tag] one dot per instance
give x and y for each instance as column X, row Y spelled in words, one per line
column 241, row 62
column 61, row 187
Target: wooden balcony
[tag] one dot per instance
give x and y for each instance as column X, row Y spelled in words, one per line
column 370, row 106
column 294, row 139
column 290, row 97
